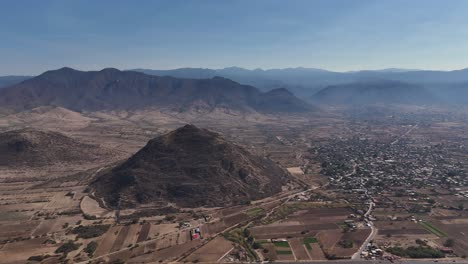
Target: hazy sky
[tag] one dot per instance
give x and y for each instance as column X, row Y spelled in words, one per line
column 335, row 35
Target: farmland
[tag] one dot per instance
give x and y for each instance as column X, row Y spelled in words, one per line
column 310, row 233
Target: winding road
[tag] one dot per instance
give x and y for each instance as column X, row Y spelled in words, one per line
column 371, row 236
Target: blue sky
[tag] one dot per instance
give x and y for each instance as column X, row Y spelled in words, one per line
column 337, row 35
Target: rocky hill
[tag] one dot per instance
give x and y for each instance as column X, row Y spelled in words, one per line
column 111, row 89
column 35, row 148
column 190, row 167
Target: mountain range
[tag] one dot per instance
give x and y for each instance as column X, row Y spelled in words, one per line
column 304, row 82
column 114, row 89
column 374, row 92
column 233, row 88
column 297, row 78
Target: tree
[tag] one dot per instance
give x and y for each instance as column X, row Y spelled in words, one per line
column 246, row 232
column 346, row 229
column 449, row 242
column 90, row 248
column 67, row 247
column 345, row 243
column 421, row 242
column 256, row 245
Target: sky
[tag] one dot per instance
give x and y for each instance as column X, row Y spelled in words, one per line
column 338, row 35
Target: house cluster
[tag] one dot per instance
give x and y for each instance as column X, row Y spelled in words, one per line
column 371, row 251
column 460, row 193
column 364, row 167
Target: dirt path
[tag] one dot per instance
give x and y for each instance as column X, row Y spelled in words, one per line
column 404, row 135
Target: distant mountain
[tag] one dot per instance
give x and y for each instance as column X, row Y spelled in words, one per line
column 451, row 93
column 371, row 92
column 190, row 167
column 280, row 100
column 10, row 80
column 114, row 89
column 304, row 82
column 187, row 73
column 387, row 70
column 421, row 77
column 36, row 148
column 264, row 79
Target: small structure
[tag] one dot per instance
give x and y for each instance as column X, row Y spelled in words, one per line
column 446, row 250
column 195, row 234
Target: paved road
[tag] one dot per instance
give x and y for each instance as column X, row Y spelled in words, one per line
column 409, row 261
column 371, row 236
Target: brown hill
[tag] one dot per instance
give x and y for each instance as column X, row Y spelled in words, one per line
column 34, row 148
column 114, row 89
column 191, row 167
column 47, row 117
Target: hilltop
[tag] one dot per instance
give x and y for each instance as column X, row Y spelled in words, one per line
column 35, row 148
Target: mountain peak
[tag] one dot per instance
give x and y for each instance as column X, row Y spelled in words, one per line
column 66, row 69
column 63, row 70
column 280, row 91
column 188, row 132
column 220, row 78
column 112, row 70
column 188, row 128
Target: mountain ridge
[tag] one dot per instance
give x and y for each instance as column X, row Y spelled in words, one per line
column 384, row 91
column 111, row 88
column 304, row 82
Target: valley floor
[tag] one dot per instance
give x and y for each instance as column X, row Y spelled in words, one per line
column 342, row 162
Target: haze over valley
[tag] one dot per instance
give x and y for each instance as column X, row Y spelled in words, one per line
column 124, row 138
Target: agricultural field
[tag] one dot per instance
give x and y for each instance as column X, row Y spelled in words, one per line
column 213, row 251
column 310, row 233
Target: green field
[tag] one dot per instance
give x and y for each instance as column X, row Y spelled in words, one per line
column 309, row 240
column 433, row 229
column 281, row 243
column 255, row 212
